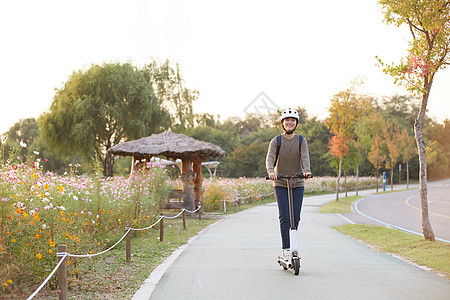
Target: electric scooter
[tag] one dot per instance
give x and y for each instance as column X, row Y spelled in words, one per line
column 293, row 261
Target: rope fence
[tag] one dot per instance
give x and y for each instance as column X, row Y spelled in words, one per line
column 238, row 200
column 62, row 253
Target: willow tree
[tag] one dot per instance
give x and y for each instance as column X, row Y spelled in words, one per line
column 429, row 24
column 98, row 108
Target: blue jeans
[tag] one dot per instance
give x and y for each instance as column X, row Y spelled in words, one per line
column 281, row 194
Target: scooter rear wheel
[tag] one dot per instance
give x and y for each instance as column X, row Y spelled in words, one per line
column 296, row 266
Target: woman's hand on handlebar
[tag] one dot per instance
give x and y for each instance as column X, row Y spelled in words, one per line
column 272, row 176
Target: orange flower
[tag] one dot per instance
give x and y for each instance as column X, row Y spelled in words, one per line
column 60, row 188
column 35, row 175
column 13, row 241
column 50, row 251
column 36, row 236
column 46, row 186
column 39, row 256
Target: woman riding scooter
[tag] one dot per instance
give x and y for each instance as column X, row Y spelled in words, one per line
column 288, row 155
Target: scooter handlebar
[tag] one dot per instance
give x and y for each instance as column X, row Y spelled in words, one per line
column 301, row 175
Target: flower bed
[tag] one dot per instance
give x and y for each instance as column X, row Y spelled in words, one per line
column 88, row 214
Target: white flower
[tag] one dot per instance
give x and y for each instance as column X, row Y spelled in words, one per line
column 75, row 198
column 22, row 144
column 44, row 226
column 35, row 152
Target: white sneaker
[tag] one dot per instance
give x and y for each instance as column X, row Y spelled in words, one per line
column 285, row 254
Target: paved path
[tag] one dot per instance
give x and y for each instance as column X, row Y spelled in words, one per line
column 236, row 259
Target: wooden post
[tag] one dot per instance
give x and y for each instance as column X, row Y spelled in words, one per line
column 198, row 189
column 128, row 243
column 200, row 213
column 161, row 230
column 188, row 186
column 62, row 274
column 184, row 219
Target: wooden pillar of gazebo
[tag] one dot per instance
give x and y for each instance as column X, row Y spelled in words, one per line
column 187, row 177
column 198, row 190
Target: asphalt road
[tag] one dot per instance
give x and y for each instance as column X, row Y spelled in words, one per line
column 236, row 259
column 402, row 209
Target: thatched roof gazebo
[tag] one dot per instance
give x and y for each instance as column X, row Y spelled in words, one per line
column 173, row 146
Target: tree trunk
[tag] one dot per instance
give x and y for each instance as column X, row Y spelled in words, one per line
column 407, row 175
column 423, row 190
column 392, row 178
column 108, row 166
column 339, row 178
column 378, row 175
column 357, row 176
column 345, row 183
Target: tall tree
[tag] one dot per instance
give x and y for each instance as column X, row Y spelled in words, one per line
column 170, row 89
column 376, row 155
column 371, row 140
column 339, row 148
column 392, row 135
column 98, row 108
column 346, row 110
column 429, row 24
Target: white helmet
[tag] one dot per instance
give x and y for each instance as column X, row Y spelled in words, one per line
column 289, row 113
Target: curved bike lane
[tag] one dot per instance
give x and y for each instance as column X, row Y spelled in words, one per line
column 401, row 210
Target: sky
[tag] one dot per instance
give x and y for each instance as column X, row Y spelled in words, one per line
column 242, row 56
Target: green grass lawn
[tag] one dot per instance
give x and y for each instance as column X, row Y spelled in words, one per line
column 109, row 276
column 343, row 206
column 434, row 255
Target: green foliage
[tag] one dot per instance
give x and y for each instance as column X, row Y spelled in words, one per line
column 169, row 88
column 98, row 108
column 429, row 23
column 438, row 149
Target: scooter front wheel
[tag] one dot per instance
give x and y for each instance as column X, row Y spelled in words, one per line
column 296, row 266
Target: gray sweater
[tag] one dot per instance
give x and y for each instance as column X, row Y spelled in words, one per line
column 290, row 161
